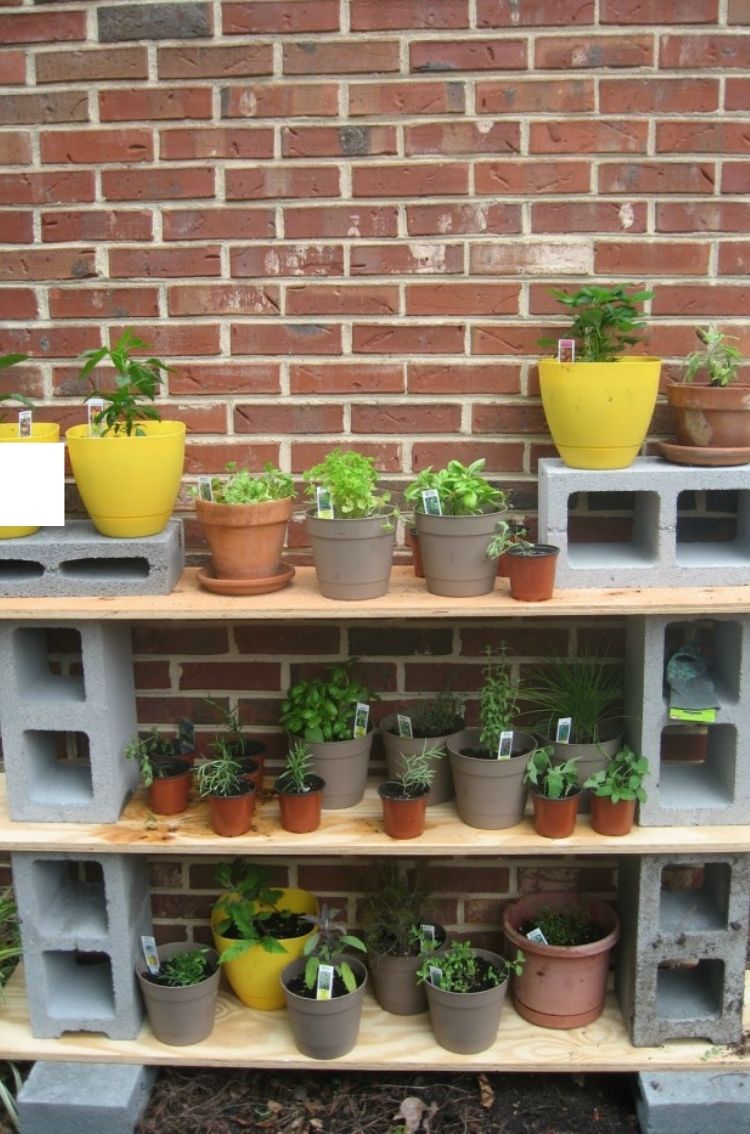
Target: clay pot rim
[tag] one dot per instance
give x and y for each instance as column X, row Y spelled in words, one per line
column 601, row 946
column 186, row 769
column 563, row 798
column 316, row 784
column 249, row 789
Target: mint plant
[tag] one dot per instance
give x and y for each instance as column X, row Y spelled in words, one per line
column 136, row 381
column 462, row 491
column 498, row 701
column 622, row 779
column 555, row 781
column 461, row 970
column 606, row 320
column 247, row 908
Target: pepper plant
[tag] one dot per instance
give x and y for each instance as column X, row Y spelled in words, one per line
column 606, row 320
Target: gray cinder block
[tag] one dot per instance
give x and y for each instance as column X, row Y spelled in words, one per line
column 656, row 556
column 84, row 1098
column 693, row 1102
column 77, row 560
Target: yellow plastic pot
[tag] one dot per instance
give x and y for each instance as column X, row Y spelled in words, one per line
column 40, row 431
column 255, row 976
column 599, row 412
column 129, row 485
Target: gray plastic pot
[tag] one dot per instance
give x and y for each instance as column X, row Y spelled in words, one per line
column 467, row 1022
column 180, row 1016
column 394, row 981
column 454, row 553
column 352, row 557
column 490, row 794
column 395, row 747
column 325, row 1029
column 343, row 766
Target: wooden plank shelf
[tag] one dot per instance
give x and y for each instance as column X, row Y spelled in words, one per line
column 407, row 597
column 353, row 831
column 244, row 1037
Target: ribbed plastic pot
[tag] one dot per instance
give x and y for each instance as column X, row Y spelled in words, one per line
column 454, row 553
column 394, row 980
column 325, row 1029
column 531, row 572
column 608, row 818
column 246, row 540
column 591, row 758
column 300, row 811
column 231, row 815
column 352, row 558
column 555, row 818
column 396, row 747
column 342, row 765
column 467, row 1022
column 168, row 795
column 403, row 818
column 180, row 1016
column 490, row 794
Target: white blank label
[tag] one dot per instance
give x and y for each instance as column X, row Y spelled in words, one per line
column 32, row 484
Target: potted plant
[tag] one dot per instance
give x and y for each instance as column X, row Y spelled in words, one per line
column 323, row 711
column 181, row 997
column 41, row 431
column 127, row 462
column 711, row 414
column 257, row 929
column 230, row 794
column 404, row 798
column 564, row 983
column 431, row 721
column 530, row 567
column 555, row 794
column 352, row 527
column 399, row 933
column 325, row 988
column 300, row 791
column 489, row 762
column 456, row 511
column 247, row 751
column 165, row 771
column 615, row 790
column 244, row 517
column 466, row 990
column 599, row 405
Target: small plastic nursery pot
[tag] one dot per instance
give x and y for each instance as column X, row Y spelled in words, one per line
column 467, row 1022
column 531, row 571
column 169, row 794
column 608, row 818
column 403, row 816
column 325, row 1029
column 555, row 818
column 231, row 815
column 301, row 811
column 490, row 793
column 183, row 1015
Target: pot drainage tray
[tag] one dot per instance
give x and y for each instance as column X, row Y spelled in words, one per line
column 700, row 455
column 264, row 586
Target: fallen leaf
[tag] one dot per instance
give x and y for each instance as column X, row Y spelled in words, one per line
column 416, row 1115
column 487, row 1095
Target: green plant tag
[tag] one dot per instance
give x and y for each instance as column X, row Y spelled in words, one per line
column 431, row 502
column 404, row 726
column 700, row 716
column 24, row 423
column 324, row 985
column 361, row 719
column 205, row 488
column 563, row 730
column 324, row 502
column 95, row 406
column 505, row 745
column 150, row 954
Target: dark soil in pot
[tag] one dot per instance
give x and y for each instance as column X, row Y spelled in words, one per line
column 277, row 925
column 299, row 988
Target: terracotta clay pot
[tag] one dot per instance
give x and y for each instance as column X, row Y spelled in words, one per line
column 246, row 540
column 300, row 811
column 532, row 572
column 168, row 795
column 608, row 818
column 710, row 417
column 231, row 815
column 403, row 817
column 555, row 818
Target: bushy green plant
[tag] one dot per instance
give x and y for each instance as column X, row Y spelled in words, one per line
column 247, row 907
column 328, row 945
column 241, row 486
column 440, row 715
column 567, row 926
column 350, row 478
column 622, row 779
column 136, row 381
column 418, row 771
column 555, row 781
column 222, row 774
column 507, row 536
column 606, row 320
column 185, row 969
column 589, row 689
column 718, row 359
column 297, row 769
column 324, row 708
column 461, row 970
column 393, row 909
column 461, row 488
column 498, row 701
column 155, row 754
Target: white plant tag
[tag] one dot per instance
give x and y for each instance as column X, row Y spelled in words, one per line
column 563, row 730
column 431, row 502
column 505, row 747
column 566, row 350
column 205, row 488
column 95, row 406
column 537, row 936
column 428, row 932
column 436, row 974
column 324, row 987
column 25, row 423
column 324, row 502
column 404, row 726
column 361, row 720
column 151, row 955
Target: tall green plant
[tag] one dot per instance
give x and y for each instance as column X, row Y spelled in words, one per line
column 350, row 479
column 137, row 382
column 498, row 701
column 606, row 320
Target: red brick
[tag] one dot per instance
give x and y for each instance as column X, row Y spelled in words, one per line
column 58, row 187
column 389, row 339
column 278, row 182
column 512, row 338
column 106, row 64
column 280, row 638
column 280, row 100
column 468, row 55
column 229, row 675
column 50, row 342
column 734, row 258
column 15, row 148
column 16, row 227
column 12, row 68
column 225, row 378
column 702, row 137
column 532, row 178
column 42, row 27
column 170, row 339
column 215, row 457
column 477, row 298
column 157, row 103
column 286, row 418
column 387, row 15
column 658, row 96
column 288, row 260
column 462, row 138
column 214, row 62
column 581, row 136
column 499, row 456
column 699, row 51
column 152, row 675
column 568, row 96
column 406, row 259
column 164, row 263
column 316, row 299
column 346, row 378
column 412, row 97
column 48, row 264
column 735, row 177
column 737, row 94
column 441, row 220
column 223, row 299
column 657, row 178
column 738, row 12
column 215, row 142
column 538, row 258
column 48, row 106
column 337, row 141
column 534, row 13
column 670, row 12
column 700, row 300
column 703, row 216
column 420, row 179
column 205, row 418
column 292, row 338
column 89, row 147
column 342, row 57
column 647, row 258
column 405, row 420
column 157, row 184
column 19, row 303
column 266, row 17
column 585, row 216
column 103, row 303
column 597, row 51
column 217, row 224
column 506, row 417
column 97, row 224
column 460, row 378
column 328, row 221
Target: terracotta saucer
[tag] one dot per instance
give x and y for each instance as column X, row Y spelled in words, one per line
column 207, row 579
column 698, row 455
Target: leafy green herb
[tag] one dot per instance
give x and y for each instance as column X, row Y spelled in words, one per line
column 246, row 908
column 462, row 491
column 243, row 487
column 155, row 755
column 327, row 945
column 719, row 360
column 555, row 781
column 622, row 778
column 498, row 700
column 324, row 708
column 136, row 381
column 185, row 969
column 605, row 321
column 463, row 971
column 351, row 479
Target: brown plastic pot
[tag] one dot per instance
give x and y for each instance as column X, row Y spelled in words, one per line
column 560, row 986
column 608, row 818
column 246, row 540
column 300, row 811
column 710, row 417
column 352, row 558
column 454, row 553
column 467, row 1022
column 490, row 794
column 396, row 747
column 403, row 816
column 591, row 758
column 182, row 1015
column 325, row 1029
column 555, row 818
column 168, row 795
column 231, row 815
column 531, row 572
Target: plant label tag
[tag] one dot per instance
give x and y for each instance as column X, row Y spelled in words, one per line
column 95, row 406
column 361, row 720
column 436, row 974
column 150, row 954
column 537, row 936
column 205, row 488
column 324, row 987
column 324, row 502
column 505, row 747
column 566, row 350
column 701, row 716
column 428, row 932
column 563, row 730
column 24, row 423
column 431, row 502
column 404, row 726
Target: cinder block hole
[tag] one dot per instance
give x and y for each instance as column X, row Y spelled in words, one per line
column 58, row 767
column 613, row 528
column 720, row 644
column 49, row 663
column 691, row 991
column 713, row 528
column 694, row 898
column 689, row 782
column 71, row 898
column 19, row 570
column 79, row 987
column 109, row 570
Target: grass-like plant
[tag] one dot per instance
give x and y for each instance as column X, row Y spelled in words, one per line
column 589, row 689
column 393, row 909
column 463, row 491
column 606, row 321
column 718, row 359
column 137, row 382
column 222, row 775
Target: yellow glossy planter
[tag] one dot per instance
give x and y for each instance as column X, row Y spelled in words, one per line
column 599, row 412
column 255, row 976
column 129, row 485
column 40, row 431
